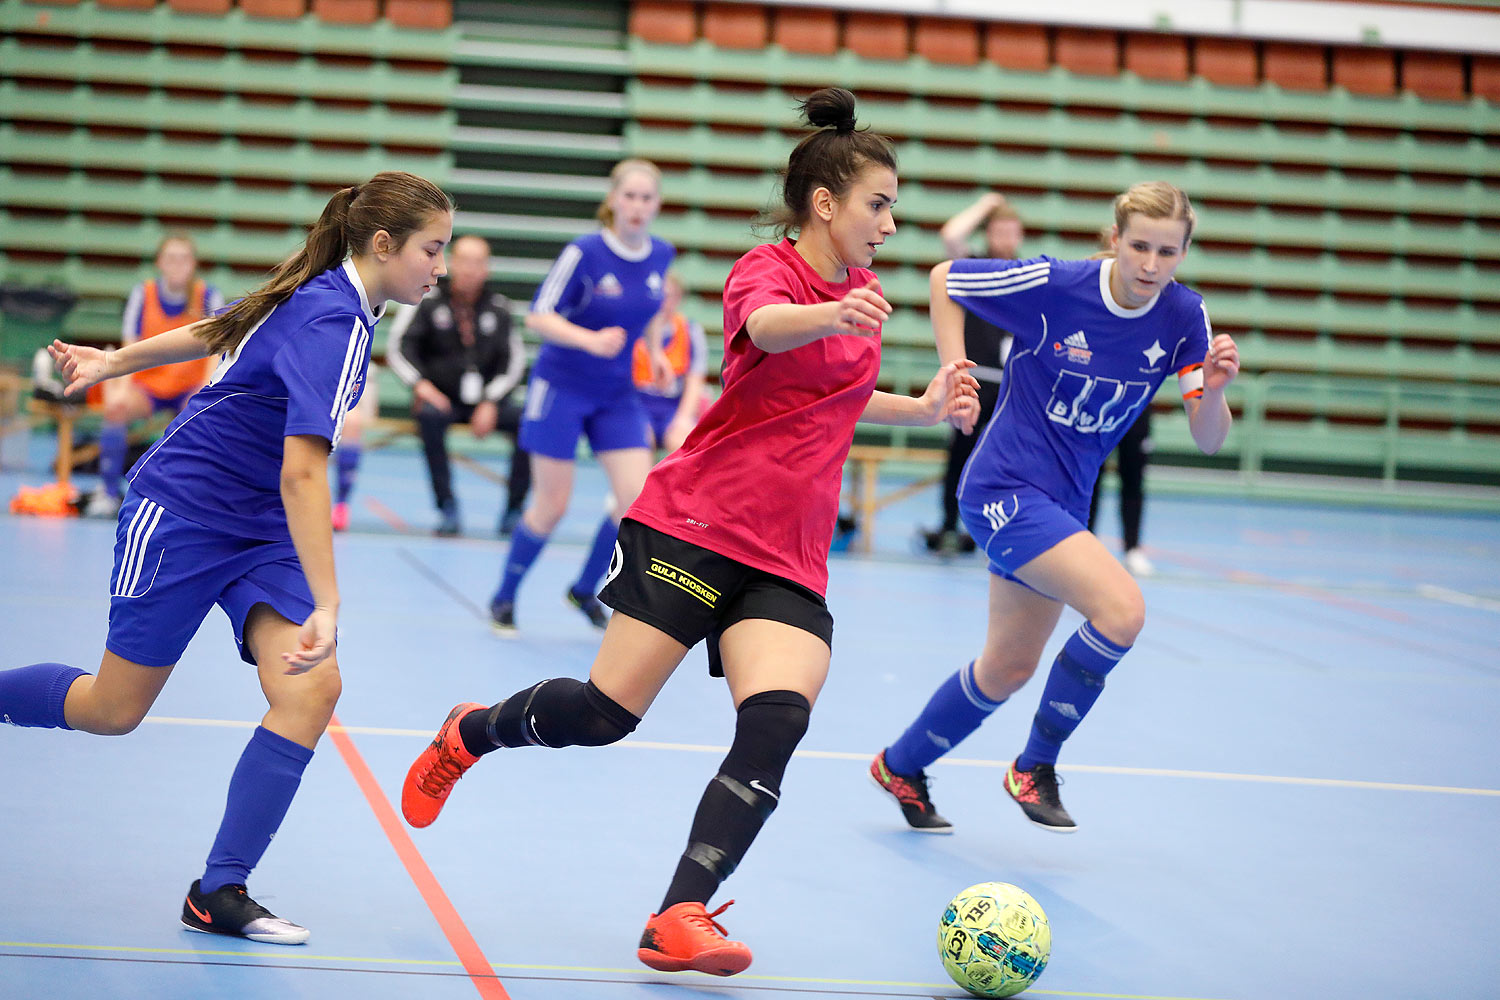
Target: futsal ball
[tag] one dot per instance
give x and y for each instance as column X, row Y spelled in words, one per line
column 994, row 939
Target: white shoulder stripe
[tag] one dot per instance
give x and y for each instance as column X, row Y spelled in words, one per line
column 1009, row 273
column 991, row 292
column 557, row 279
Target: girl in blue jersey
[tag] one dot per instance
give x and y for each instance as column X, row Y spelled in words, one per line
column 231, row 507
column 596, row 302
column 1093, row 341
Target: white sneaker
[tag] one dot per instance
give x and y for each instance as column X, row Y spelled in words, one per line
column 1137, row 563
column 101, row 505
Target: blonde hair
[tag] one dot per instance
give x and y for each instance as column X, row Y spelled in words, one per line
column 1156, row 200
column 617, row 175
column 394, row 201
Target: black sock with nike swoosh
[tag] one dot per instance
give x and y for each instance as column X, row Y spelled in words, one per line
column 742, row 795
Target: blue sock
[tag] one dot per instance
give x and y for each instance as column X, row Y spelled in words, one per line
column 33, row 696
column 955, row 710
column 348, row 467
column 600, row 554
column 113, row 442
column 260, row 792
column 1074, row 684
column 524, row 548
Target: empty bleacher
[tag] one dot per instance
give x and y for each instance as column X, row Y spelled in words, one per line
column 1349, row 197
column 1347, row 234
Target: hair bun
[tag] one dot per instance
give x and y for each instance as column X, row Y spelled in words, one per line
column 831, row 107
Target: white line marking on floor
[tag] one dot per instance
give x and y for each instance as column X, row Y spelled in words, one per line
column 865, row 756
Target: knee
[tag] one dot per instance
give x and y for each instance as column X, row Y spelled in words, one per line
column 116, row 412
column 1000, row 673
column 318, row 693
column 769, row 727
column 603, row 720
column 1121, row 620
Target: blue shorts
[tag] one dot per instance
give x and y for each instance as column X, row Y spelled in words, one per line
column 170, row 571
column 555, row 417
column 1014, row 524
column 660, row 411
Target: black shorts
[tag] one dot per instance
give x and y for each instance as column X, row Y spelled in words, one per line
column 692, row 593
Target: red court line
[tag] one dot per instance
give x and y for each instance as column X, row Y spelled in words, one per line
column 480, row 971
column 387, row 515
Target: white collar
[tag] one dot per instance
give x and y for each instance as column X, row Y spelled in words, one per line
column 617, row 246
column 1109, row 300
column 372, row 315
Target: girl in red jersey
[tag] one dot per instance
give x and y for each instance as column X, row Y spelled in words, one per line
column 729, row 539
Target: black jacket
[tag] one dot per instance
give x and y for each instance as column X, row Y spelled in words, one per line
column 425, row 342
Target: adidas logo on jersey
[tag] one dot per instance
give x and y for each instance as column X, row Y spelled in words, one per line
column 1076, row 347
column 608, row 285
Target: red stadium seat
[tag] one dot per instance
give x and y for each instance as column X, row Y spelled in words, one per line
column 274, row 8
column 807, row 30
column 1227, row 62
column 943, row 40
column 430, row 15
column 1018, row 46
column 877, row 36
column 347, row 11
column 1365, row 71
column 1088, row 51
column 1157, row 57
column 1485, row 78
column 736, row 25
column 1434, row 75
column 668, row 22
column 201, row 6
column 1295, row 66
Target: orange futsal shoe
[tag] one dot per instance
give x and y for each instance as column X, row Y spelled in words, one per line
column 435, row 770
column 685, row 936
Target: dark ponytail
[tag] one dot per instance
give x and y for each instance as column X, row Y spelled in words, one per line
column 831, row 157
column 397, row 202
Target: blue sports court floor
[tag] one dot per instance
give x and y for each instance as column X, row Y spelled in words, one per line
column 1291, row 788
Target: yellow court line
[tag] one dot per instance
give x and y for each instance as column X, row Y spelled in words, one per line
column 284, row 955
column 1138, row 772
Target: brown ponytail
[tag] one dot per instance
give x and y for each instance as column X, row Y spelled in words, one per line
column 394, row 201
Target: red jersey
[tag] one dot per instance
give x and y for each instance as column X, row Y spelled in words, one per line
column 758, row 478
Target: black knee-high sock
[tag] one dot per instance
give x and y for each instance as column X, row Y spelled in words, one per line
column 560, row 712
column 742, row 795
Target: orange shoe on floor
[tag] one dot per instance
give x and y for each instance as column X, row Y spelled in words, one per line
column 433, row 773
column 341, row 516
column 685, row 936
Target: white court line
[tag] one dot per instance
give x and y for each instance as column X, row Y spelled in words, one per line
column 1458, row 597
column 1140, row 772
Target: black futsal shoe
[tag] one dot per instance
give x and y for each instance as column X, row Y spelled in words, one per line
column 910, row 792
column 1035, row 791
column 229, row 910
column 591, row 607
column 503, row 618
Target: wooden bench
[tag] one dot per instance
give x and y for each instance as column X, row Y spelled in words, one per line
column 864, row 484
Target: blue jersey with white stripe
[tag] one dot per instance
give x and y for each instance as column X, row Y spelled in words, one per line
column 598, row 282
column 298, row 371
column 1081, row 368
